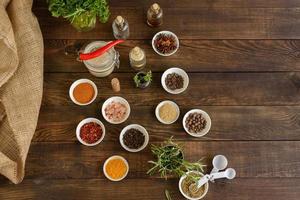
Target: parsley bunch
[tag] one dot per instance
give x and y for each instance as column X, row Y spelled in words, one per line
column 81, row 13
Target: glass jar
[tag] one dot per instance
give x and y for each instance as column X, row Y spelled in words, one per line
column 137, row 58
column 84, row 22
column 103, row 65
column 155, row 15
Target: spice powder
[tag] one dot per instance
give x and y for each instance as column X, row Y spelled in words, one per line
column 83, row 93
column 168, row 112
column 116, row 168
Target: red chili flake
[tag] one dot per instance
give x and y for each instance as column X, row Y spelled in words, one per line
column 91, row 132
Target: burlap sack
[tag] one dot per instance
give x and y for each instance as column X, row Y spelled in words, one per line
column 21, row 84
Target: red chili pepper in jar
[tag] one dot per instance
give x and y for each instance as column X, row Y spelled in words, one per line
column 100, row 51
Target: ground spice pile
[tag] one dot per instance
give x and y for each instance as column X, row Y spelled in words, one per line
column 168, row 112
column 116, row 168
column 185, row 185
column 83, row 93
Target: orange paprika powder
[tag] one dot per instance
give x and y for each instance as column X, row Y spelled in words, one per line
column 83, row 93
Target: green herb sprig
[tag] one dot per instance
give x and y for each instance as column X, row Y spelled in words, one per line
column 170, row 161
column 168, row 196
column 139, row 80
column 80, row 11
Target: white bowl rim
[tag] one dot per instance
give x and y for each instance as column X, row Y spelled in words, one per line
column 165, row 32
column 185, row 77
column 144, row 131
column 190, row 198
column 162, row 103
column 77, row 82
column 207, row 118
column 115, row 157
column 107, row 101
column 87, row 120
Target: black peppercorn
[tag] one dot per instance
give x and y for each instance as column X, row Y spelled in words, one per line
column 133, row 138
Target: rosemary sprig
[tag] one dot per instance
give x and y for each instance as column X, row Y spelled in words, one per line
column 168, row 196
column 170, row 161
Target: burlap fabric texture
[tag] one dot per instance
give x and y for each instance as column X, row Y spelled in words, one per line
column 21, row 84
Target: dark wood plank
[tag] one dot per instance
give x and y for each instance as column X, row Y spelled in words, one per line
column 204, row 89
column 58, row 123
column 189, row 23
column 194, row 56
column 250, row 159
column 196, row 3
column 151, row 189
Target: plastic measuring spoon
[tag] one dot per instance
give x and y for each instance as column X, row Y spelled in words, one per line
column 229, row 173
column 195, row 186
column 219, row 163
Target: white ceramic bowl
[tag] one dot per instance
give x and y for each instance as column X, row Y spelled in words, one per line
column 160, row 105
column 186, row 196
column 116, row 99
column 87, row 120
column 179, row 71
column 79, row 82
column 167, row 33
column 111, row 158
column 206, row 117
column 138, row 127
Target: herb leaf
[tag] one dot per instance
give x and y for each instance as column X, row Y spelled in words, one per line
column 81, row 11
column 168, row 196
column 169, row 160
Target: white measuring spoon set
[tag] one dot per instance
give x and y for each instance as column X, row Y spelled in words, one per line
column 219, row 163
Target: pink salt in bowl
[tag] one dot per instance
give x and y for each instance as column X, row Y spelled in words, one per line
column 113, row 113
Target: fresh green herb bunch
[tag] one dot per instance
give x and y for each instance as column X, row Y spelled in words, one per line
column 81, row 13
column 142, row 78
column 170, row 160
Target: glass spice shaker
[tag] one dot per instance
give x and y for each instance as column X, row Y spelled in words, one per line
column 155, row 15
column 120, row 28
column 137, row 58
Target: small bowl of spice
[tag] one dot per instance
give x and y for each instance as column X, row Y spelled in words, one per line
column 83, row 92
column 175, row 80
column 167, row 112
column 134, row 138
column 116, row 110
column 115, row 168
column 90, row 131
column 196, row 122
column 187, row 180
column 165, row 43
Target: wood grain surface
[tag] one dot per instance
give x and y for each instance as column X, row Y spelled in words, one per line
column 204, row 89
column 250, row 159
column 242, row 123
column 243, row 61
column 207, row 20
column 193, row 55
column 150, row 189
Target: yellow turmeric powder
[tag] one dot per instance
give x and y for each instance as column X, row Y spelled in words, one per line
column 116, row 168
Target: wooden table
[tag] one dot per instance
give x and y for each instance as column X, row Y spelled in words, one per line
column 243, row 59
